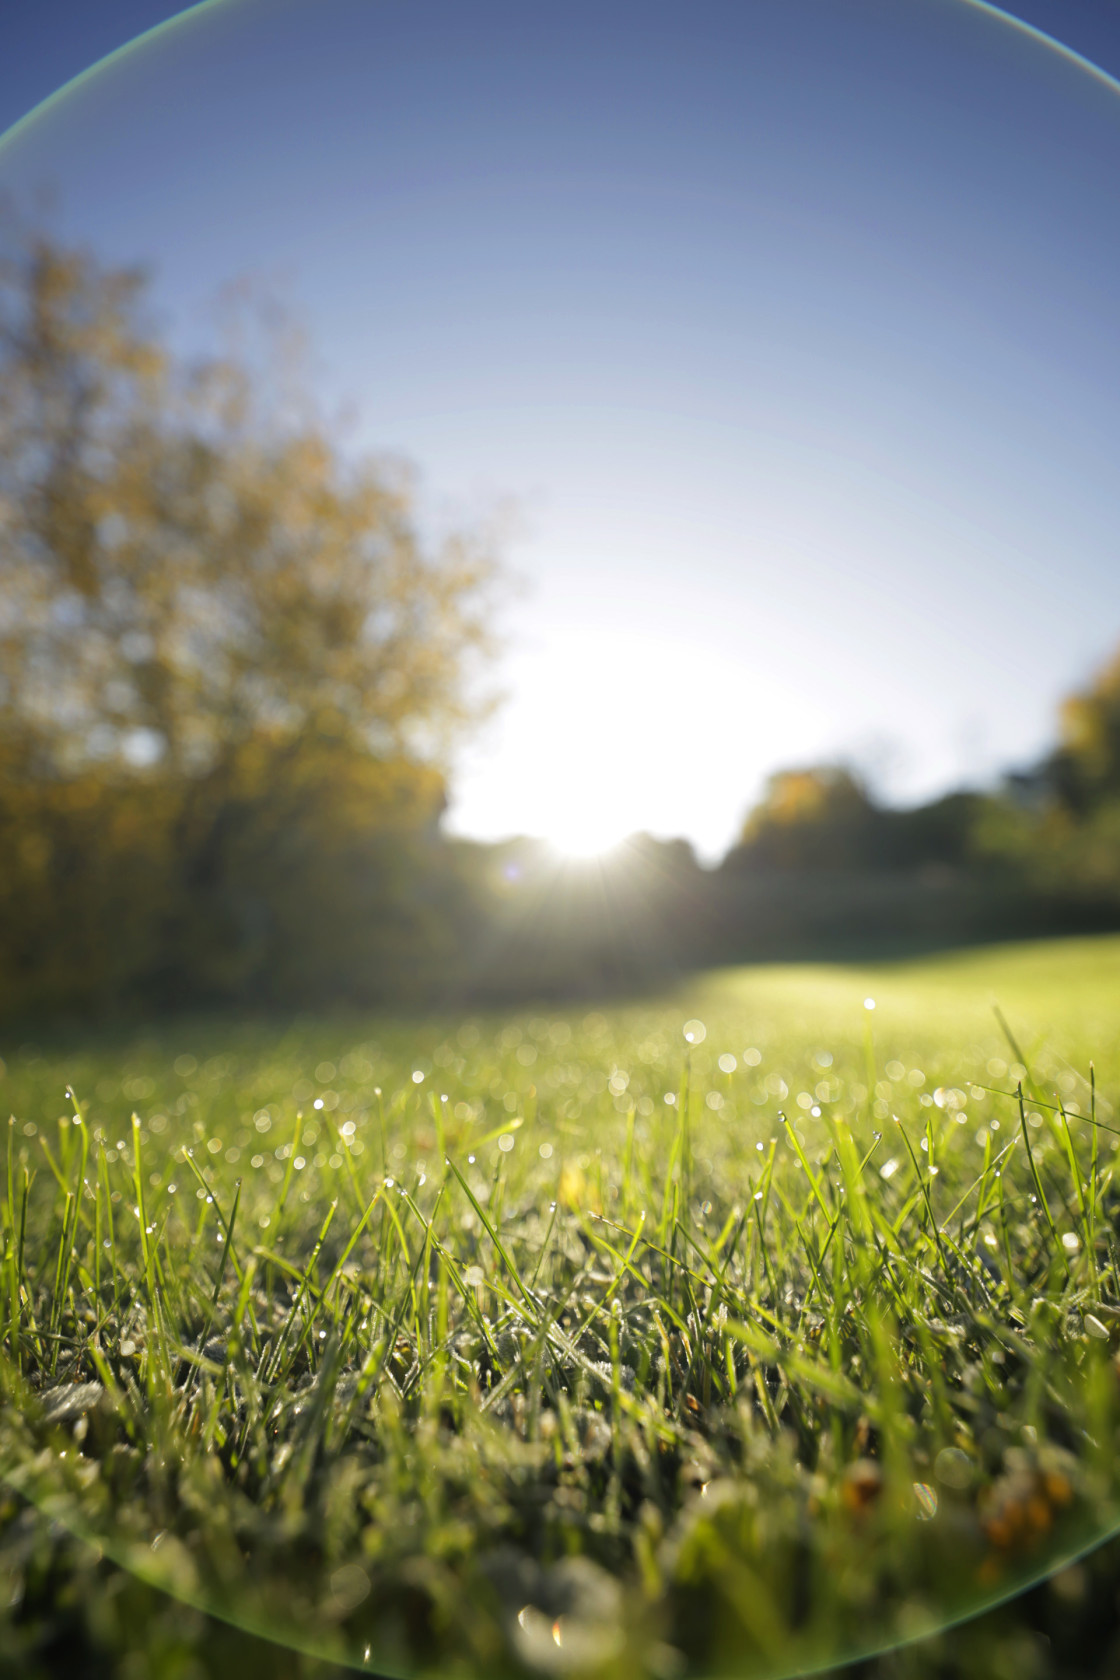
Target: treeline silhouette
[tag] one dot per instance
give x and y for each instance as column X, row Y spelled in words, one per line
column 823, row 870
column 232, row 678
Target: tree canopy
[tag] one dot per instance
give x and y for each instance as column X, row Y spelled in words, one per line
column 233, row 670
column 1086, row 767
column 179, row 572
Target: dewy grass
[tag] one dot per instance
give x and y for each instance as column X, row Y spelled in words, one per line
column 734, row 1334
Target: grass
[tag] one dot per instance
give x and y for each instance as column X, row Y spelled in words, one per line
column 743, row 1332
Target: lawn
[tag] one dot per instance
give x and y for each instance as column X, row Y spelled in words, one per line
column 761, row 1326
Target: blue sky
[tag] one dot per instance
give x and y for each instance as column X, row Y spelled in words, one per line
column 791, row 329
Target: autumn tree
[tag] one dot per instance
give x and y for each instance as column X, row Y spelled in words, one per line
column 179, row 574
column 811, row 818
column 217, row 621
column 1085, row 771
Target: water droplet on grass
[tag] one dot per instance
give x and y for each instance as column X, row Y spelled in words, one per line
column 953, row 1468
column 927, row 1501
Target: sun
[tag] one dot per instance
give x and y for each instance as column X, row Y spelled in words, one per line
column 613, row 731
column 582, row 836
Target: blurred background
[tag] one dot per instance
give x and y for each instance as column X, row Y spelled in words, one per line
column 499, row 505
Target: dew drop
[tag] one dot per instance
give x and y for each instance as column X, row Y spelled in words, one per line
column 927, row 1501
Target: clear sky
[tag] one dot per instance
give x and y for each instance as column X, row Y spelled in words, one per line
column 790, row 324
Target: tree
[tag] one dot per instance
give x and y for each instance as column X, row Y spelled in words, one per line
column 814, row 818
column 233, row 672
column 178, row 573
column 1085, row 771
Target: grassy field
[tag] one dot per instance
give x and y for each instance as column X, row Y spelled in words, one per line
column 762, row 1327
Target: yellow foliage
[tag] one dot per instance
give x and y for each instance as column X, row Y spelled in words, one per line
column 232, row 673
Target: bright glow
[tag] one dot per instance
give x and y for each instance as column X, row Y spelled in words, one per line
column 582, row 834
column 617, row 731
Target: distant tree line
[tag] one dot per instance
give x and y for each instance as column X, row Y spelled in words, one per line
column 232, row 677
column 822, row 869
column 821, row 861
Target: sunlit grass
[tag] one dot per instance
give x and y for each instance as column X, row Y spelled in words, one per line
column 738, row 1332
